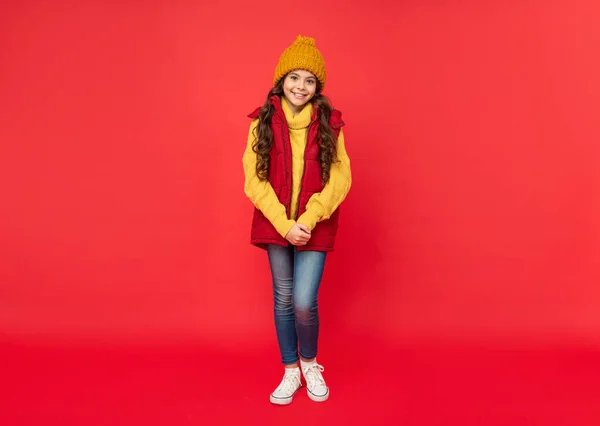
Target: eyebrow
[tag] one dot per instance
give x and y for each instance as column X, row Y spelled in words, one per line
column 298, row 75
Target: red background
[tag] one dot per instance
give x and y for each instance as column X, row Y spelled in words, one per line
column 473, row 133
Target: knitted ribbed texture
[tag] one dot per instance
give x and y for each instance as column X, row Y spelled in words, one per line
column 297, row 126
column 302, row 54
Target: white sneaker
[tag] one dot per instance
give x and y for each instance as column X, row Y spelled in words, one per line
column 316, row 388
column 287, row 388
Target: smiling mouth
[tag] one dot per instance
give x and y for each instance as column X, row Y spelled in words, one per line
column 298, row 95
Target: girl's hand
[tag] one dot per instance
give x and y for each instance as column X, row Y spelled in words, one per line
column 298, row 235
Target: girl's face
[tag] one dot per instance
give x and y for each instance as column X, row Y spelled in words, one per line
column 299, row 88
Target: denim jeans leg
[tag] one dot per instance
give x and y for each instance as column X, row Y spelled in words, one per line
column 281, row 261
column 308, row 271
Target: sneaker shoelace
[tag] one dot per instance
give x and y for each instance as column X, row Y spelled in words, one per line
column 289, row 384
column 313, row 376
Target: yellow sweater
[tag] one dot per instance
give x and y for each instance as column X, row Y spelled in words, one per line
column 321, row 205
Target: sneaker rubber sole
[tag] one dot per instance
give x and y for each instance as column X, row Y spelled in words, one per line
column 318, row 398
column 282, row 401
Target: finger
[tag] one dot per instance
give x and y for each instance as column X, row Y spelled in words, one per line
column 303, row 228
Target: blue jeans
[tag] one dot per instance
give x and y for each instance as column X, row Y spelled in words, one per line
column 296, row 279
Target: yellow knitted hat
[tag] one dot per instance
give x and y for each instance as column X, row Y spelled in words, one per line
column 304, row 55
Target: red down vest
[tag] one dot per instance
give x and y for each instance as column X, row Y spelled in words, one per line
column 280, row 177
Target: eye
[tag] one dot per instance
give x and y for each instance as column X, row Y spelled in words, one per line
column 310, row 81
column 293, row 77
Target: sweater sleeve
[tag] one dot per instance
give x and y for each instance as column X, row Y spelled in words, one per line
column 322, row 204
column 261, row 193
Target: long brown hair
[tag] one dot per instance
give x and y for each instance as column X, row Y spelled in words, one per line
column 263, row 136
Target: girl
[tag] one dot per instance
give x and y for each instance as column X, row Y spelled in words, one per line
column 297, row 174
